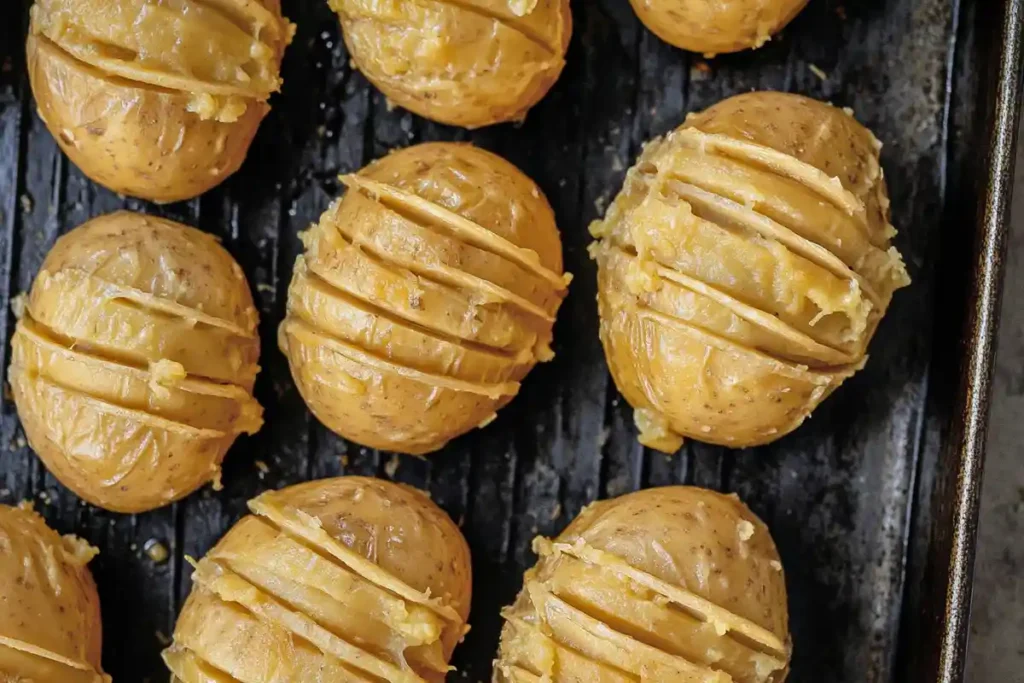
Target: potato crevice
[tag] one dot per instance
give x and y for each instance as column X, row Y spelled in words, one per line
column 759, row 230
column 663, row 584
column 430, row 289
column 304, row 587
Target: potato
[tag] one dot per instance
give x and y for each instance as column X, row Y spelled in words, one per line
column 716, row 26
column 471, row 63
column 156, row 100
column 743, row 269
column 424, row 296
column 50, row 627
column 134, row 359
column 346, row 579
column 667, row 584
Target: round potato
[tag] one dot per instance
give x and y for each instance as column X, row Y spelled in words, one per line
column 50, row 627
column 134, row 359
column 715, row 27
column 346, row 579
column 668, row 584
column 158, row 101
column 423, row 298
column 471, row 64
column 744, row 268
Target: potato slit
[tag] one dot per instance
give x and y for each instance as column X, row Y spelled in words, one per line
column 611, row 645
column 436, row 217
column 827, row 354
column 857, row 318
column 541, row 295
column 452, row 277
column 731, row 212
column 113, row 408
column 125, row 359
column 329, row 289
column 561, row 650
column 299, row 525
column 156, row 304
column 81, row 352
column 358, row 355
column 509, row 21
column 778, row 162
column 594, row 607
column 325, row 275
column 29, row 648
column 181, row 660
column 241, row 565
column 468, row 7
column 766, row 641
column 871, row 253
column 233, row 588
column 249, row 15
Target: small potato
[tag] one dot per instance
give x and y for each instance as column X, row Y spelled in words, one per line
column 471, row 63
column 50, row 626
column 425, row 295
column 346, row 579
column 667, row 584
column 134, row 359
column 156, row 100
column 744, row 268
column 717, row 26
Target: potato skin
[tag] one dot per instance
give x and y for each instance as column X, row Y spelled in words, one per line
column 133, row 133
column 714, row 27
column 128, row 320
column 647, row 564
column 743, row 269
column 376, row 563
column 424, row 296
column 50, row 612
column 468, row 64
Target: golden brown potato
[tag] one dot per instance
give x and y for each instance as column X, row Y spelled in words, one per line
column 346, row 579
column 425, row 294
column 668, row 584
column 50, row 627
column 134, row 359
column 715, row 27
column 156, row 100
column 743, row 269
column 470, row 63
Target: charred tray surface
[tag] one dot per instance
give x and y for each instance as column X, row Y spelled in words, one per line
column 853, row 498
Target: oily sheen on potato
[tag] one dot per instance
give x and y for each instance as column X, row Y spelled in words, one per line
column 714, row 27
column 743, row 269
column 346, row 579
column 667, row 584
column 470, row 63
column 50, row 627
column 134, row 359
column 424, row 296
column 158, row 100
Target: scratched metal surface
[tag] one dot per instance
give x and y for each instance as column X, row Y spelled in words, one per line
column 842, row 495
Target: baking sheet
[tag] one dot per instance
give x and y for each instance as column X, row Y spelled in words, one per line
column 857, row 498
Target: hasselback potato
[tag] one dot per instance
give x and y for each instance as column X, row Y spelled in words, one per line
column 744, row 268
column 156, row 100
column 668, row 584
column 346, row 579
column 470, row 63
column 134, row 360
column 50, row 627
column 425, row 294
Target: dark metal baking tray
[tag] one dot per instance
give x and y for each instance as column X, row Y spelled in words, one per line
column 873, row 502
